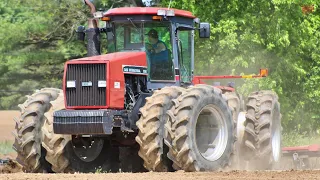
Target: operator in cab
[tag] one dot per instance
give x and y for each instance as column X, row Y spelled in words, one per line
column 158, row 49
column 159, row 55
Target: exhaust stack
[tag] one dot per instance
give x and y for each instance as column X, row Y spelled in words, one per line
column 93, row 32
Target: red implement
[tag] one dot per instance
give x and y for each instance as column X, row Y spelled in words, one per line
column 311, row 148
column 198, row 79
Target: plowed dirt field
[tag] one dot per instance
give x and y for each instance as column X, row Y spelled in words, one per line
column 170, row 176
column 7, row 125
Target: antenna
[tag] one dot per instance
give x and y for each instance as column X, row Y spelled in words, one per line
column 169, row 4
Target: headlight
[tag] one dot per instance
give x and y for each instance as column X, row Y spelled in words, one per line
column 102, row 84
column 71, row 84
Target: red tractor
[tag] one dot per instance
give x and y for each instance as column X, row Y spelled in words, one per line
column 140, row 107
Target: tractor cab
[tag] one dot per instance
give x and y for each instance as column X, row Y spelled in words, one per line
column 165, row 35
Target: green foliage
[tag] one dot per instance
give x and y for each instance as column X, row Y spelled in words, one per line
column 98, row 171
column 299, row 139
column 37, row 37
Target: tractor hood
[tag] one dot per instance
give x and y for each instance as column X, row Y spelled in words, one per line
column 89, row 80
column 129, row 58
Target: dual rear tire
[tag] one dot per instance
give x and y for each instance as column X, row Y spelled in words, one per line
column 261, row 142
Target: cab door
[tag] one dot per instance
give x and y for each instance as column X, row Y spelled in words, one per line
column 185, row 55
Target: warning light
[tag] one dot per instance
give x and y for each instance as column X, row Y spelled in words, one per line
column 263, row 72
column 306, row 9
column 105, row 19
column 157, row 17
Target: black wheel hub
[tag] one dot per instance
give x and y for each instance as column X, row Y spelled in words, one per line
column 87, row 149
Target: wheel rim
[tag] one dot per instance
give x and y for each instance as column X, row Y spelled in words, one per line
column 88, row 149
column 211, row 133
column 240, row 126
column 276, row 137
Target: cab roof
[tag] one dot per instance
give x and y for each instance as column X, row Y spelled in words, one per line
column 145, row 11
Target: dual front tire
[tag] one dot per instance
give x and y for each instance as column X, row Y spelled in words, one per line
column 200, row 130
column 40, row 150
column 196, row 125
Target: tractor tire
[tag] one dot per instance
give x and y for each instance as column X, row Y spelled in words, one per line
column 199, row 132
column 28, row 133
column 151, row 129
column 55, row 143
column 261, row 145
column 60, row 150
column 234, row 103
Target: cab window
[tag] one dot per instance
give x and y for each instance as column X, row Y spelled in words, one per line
column 152, row 37
column 184, row 49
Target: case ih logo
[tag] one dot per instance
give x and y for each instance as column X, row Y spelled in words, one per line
column 86, row 84
column 135, row 69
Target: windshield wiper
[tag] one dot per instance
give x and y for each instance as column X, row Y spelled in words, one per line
column 139, row 29
column 130, row 19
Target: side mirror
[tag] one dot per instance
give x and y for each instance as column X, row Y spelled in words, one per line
column 81, row 33
column 204, row 30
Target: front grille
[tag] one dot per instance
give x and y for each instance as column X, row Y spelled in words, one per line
column 86, row 95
